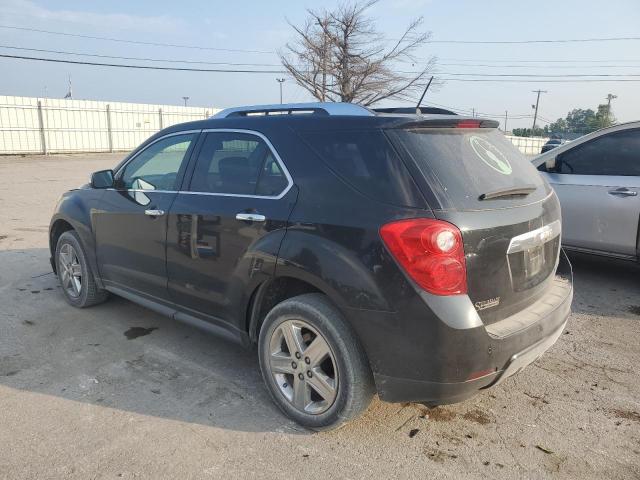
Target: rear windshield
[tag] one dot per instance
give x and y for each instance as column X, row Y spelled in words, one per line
column 367, row 160
column 462, row 165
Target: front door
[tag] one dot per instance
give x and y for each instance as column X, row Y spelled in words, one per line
column 226, row 227
column 598, row 184
column 131, row 226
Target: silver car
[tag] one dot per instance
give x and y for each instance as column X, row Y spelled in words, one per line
column 597, row 179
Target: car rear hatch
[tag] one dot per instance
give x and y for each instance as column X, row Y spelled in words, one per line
column 473, row 177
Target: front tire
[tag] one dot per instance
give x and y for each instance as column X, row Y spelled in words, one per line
column 313, row 364
column 76, row 279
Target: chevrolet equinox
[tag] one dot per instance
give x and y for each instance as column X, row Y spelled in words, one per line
column 413, row 255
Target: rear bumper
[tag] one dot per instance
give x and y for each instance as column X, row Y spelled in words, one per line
column 490, row 354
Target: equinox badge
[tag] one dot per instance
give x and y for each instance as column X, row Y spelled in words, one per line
column 483, row 304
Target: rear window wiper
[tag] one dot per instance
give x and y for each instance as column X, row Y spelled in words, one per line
column 521, row 191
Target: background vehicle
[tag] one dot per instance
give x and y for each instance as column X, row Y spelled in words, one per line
column 354, row 248
column 597, row 178
column 551, row 144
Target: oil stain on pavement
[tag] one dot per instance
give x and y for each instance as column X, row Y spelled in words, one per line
column 135, row 332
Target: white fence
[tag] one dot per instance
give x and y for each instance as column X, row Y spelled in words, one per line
column 33, row 125
column 528, row 145
column 49, row 125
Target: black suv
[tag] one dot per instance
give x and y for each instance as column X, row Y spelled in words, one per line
column 416, row 256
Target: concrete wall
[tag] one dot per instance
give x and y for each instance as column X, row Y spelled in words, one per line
column 47, row 125
column 528, row 145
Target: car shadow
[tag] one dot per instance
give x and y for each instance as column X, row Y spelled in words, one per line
column 122, row 356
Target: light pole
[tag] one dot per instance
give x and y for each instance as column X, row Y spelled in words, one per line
column 280, row 81
column 185, row 100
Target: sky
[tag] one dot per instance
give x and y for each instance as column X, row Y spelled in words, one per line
column 262, row 27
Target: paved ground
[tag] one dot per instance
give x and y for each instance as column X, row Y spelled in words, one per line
column 80, row 399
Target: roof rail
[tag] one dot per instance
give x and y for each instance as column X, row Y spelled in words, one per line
column 319, row 108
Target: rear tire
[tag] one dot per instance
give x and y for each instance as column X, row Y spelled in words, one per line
column 76, row 279
column 313, row 364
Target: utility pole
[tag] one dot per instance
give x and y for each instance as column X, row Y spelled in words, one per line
column 185, row 100
column 609, row 98
column 535, row 115
column 473, row 112
column 280, row 81
column 506, row 115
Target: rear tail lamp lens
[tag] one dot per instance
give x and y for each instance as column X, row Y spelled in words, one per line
column 431, row 253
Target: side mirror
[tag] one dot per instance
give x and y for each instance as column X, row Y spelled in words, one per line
column 553, row 164
column 102, row 179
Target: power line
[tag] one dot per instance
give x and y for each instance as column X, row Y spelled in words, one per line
column 146, row 59
column 144, row 67
column 214, row 70
column 201, row 62
column 583, row 80
column 511, row 42
column 533, row 66
column 535, row 75
column 536, row 61
column 138, row 42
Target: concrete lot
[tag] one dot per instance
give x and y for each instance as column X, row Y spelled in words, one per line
column 80, row 399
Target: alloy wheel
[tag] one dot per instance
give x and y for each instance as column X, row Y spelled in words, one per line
column 70, row 270
column 303, row 366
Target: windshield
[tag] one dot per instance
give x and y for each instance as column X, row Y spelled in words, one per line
column 462, row 166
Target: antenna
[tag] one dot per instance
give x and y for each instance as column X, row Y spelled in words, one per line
column 423, row 94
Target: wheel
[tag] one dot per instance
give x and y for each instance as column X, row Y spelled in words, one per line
column 313, row 364
column 76, row 279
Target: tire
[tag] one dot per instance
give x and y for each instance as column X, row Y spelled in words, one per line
column 302, row 388
column 80, row 291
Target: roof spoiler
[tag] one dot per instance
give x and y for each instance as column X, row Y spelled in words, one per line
column 412, row 110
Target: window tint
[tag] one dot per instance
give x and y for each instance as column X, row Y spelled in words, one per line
column 614, row 154
column 157, row 166
column 367, row 161
column 237, row 163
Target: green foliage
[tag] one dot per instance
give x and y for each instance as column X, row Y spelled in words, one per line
column 527, row 132
column 581, row 121
column 578, row 121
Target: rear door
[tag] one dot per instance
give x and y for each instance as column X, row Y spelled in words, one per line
column 225, row 228
column 131, row 225
column 598, row 184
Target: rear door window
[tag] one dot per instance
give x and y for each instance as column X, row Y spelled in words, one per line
column 239, row 164
column 367, row 161
column 460, row 165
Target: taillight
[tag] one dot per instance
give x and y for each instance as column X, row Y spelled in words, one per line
column 430, row 251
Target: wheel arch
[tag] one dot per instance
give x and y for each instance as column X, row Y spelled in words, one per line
column 273, row 291
column 63, row 223
column 58, row 227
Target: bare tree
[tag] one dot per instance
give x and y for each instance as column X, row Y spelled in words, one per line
column 340, row 56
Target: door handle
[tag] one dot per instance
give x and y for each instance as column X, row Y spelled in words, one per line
column 251, row 217
column 154, row 213
column 623, row 192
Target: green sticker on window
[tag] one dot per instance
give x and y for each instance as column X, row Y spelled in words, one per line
column 490, row 155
